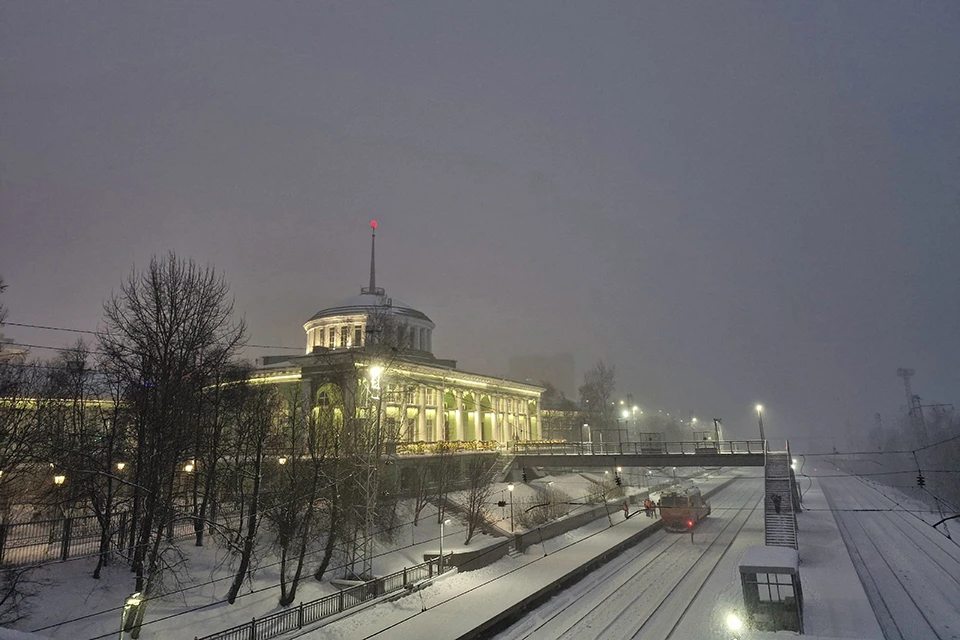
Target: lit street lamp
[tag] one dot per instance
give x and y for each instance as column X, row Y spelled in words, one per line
column 760, row 421
column 447, row 521
column 510, row 489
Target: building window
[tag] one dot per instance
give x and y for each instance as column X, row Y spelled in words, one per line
column 774, row 587
column 357, row 335
column 344, row 333
column 331, row 339
column 431, row 396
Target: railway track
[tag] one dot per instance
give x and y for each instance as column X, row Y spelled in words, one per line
column 899, row 575
column 646, row 592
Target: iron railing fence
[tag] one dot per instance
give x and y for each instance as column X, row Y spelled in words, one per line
column 58, row 540
column 638, row 448
column 307, row 613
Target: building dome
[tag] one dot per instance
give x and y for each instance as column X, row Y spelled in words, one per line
column 370, row 317
column 366, row 303
column 356, row 321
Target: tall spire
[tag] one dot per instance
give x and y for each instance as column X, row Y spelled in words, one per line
column 373, row 262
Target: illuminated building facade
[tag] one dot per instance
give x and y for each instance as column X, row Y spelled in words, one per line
column 421, row 398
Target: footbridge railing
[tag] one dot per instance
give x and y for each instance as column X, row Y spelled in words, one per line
column 638, row 448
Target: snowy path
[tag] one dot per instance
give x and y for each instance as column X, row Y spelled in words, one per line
column 646, row 592
column 911, row 572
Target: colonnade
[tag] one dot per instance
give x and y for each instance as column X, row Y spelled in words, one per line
column 475, row 415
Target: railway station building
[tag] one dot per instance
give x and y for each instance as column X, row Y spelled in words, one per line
column 373, row 352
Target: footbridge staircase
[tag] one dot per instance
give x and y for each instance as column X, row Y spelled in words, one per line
column 780, row 501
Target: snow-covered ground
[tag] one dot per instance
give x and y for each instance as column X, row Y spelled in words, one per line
column 911, row 571
column 70, row 604
column 458, row 604
column 665, row 584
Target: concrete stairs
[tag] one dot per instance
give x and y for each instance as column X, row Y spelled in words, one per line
column 501, row 468
column 780, row 529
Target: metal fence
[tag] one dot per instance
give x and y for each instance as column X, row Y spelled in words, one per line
column 43, row 541
column 310, row 612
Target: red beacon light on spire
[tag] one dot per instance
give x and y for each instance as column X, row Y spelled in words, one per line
column 373, row 224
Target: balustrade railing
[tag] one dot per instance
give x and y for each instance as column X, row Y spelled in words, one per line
column 639, row 448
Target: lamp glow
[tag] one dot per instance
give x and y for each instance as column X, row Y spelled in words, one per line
column 733, row 622
column 121, row 465
column 59, row 479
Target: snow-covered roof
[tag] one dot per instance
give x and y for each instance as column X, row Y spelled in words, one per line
column 770, row 560
column 364, row 303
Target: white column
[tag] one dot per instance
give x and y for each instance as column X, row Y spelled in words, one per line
column 440, row 426
column 459, row 414
column 478, row 420
column 422, row 416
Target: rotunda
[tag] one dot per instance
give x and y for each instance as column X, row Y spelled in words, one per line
column 370, row 317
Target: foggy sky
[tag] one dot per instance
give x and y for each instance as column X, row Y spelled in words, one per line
column 732, row 202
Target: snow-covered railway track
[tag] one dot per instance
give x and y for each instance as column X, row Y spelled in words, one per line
column 647, row 591
column 884, row 548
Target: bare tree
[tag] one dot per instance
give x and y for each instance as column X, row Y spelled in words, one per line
column 479, row 476
column 253, row 419
column 326, row 445
column 20, row 435
column 85, row 426
column 596, row 393
column 443, row 470
column 165, row 335
column 3, row 309
column 218, row 405
column 422, row 488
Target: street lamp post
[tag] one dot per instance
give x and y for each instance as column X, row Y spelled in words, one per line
column 447, row 521
column 510, row 489
column 760, row 421
column 626, row 416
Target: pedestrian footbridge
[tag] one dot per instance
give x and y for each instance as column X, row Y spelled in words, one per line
column 781, row 501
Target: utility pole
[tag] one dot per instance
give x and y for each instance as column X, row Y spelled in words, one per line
column 906, row 375
column 914, row 410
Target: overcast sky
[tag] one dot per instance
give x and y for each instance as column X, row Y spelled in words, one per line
column 732, row 202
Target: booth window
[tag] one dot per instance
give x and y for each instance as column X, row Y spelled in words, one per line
column 773, row 587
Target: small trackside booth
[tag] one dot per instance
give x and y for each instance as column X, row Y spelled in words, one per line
column 772, row 596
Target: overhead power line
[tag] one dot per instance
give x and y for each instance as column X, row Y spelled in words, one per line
column 96, row 333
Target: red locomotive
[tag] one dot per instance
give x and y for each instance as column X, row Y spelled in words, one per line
column 682, row 508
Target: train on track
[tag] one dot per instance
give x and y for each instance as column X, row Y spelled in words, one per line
column 683, row 508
